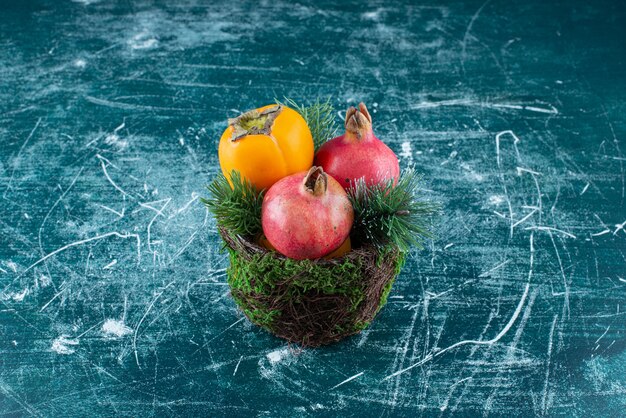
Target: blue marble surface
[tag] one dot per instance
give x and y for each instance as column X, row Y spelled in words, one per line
column 113, row 296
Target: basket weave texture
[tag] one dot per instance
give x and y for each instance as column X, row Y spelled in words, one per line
column 310, row 302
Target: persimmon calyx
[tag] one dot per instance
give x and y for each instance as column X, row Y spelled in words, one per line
column 254, row 122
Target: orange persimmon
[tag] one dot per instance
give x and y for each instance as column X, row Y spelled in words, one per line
column 266, row 144
column 264, row 242
column 343, row 249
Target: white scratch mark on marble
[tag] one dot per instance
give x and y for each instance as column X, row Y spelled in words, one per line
column 111, row 264
column 114, row 138
column 452, row 155
column 492, row 341
column 63, row 289
column 468, row 30
column 406, row 151
column 603, row 334
column 475, row 103
column 544, row 401
column 194, row 197
column 277, row 356
column 159, row 212
column 143, row 40
column 619, row 227
column 230, row 67
column 237, row 366
column 521, row 170
column 88, row 330
column 64, row 345
column 10, row 393
column 488, row 272
column 506, row 193
column 550, row 229
column 114, row 328
column 191, row 238
column 600, row 220
column 507, row 327
column 119, row 214
column 444, row 406
column 129, row 106
column 80, row 63
column 495, row 199
column 16, row 160
column 84, row 241
column 16, row 296
column 347, row 380
column 366, row 333
column 45, row 219
column 566, row 287
column 584, row 189
column 401, row 355
column 531, row 213
column 106, row 174
column 499, row 214
column 222, row 332
column 373, row 15
column 158, row 295
column 552, row 110
column 471, row 173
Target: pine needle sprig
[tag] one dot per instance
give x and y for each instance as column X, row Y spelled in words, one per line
column 320, row 116
column 388, row 214
column 236, row 208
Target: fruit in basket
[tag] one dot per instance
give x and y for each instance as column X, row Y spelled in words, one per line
column 264, row 242
column 309, row 215
column 265, row 145
column 306, row 215
column 358, row 153
column 343, row 249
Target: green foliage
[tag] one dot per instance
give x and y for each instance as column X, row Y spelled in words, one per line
column 388, row 214
column 320, row 116
column 262, row 283
column 264, row 273
column 236, row 208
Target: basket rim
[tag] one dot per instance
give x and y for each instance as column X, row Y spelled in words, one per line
column 249, row 246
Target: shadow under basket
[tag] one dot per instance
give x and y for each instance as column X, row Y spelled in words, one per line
column 310, row 302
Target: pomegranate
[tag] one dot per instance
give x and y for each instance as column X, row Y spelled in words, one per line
column 306, row 215
column 358, row 153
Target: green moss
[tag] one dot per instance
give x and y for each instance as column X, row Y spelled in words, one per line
column 361, row 325
column 266, row 286
column 387, row 289
column 263, row 273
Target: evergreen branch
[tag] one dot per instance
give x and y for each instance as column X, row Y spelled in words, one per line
column 236, row 208
column 320, row 116
column 385, row 214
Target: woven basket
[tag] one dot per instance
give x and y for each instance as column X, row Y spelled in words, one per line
column 310, row 302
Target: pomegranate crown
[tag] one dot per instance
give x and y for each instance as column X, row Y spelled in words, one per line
column 358, row 121
column 316, row 181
